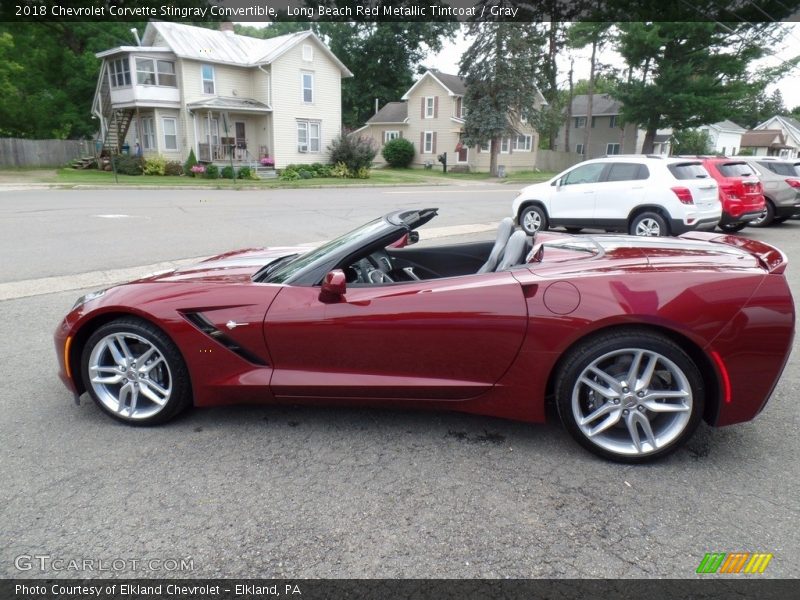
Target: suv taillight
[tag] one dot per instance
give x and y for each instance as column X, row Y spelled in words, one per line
column 795, row 183
column 684, row 195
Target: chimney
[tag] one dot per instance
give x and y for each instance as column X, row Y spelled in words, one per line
column 227, row 27
column 376, row 106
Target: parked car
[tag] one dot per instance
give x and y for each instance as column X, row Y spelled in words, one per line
column 636, row 339
column 781, row 183
column 740, row 191
column 636, row 194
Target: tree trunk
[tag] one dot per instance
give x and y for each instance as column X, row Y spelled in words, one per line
column 494, row 148
column 553, row 73
column 587, row 136
column 569, row 110
column 649, row 139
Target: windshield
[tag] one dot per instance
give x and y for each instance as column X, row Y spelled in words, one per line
column 284, row 272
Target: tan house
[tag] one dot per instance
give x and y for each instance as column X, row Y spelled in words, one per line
column 431, row 116
column 766, row 142
column 223, row 95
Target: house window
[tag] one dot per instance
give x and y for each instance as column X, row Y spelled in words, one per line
column 459, row 108
column 523, row 143
column 308, row 136
column 148, row 136
column 594, row 122
column 430, row 107
column 390, row 135
column 155, row 72
column 427, row 146
column 165, row 70
column 170, row 127
column 485, row 146
column 307, row 87
column 612, row 121
column 580, row 122
column 505, row 145
column 120, row 72
column 207, row 74
column 612, row 149
column 579, row 148
column 308, row 52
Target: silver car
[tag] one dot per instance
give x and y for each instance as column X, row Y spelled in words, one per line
column 781, row 182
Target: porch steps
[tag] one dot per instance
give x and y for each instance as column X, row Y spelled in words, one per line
column 85, row 162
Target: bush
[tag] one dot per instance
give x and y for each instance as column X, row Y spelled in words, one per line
column 227, row 172
column 190, row 162
column 398, row 153
column 247, row 173
column 173, row 168
column 340, row 170
column 154, row 165
column 129, row 165
column 354, row 152
column 212, row 172
column 305, row 174
column 289, row 174
column 362, row 173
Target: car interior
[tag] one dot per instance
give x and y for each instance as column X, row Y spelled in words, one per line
column 394, row 264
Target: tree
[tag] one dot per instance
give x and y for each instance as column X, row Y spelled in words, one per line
column 690, row 73
column 275, row 29
column 691, row 141
column 499, row 71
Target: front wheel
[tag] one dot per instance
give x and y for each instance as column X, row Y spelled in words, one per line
column 533, row 219
column 630, row 396
column 135, row 373
column 648, row 224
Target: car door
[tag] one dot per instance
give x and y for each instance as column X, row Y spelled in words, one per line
column 443, row 339
column 621, row 189
column 572, row 202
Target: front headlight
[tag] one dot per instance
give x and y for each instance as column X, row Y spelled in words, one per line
column 85, row 298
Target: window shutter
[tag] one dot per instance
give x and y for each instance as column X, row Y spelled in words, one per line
column 421, row 142
column 433, row 150
column 435, row 108
column 422, row 108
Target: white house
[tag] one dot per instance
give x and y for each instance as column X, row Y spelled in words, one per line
column 223, row 95
column 791, row 134
column 725, row 136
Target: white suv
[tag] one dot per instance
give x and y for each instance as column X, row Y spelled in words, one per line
column 638, row 194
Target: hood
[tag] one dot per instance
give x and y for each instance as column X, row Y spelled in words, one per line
column 230, row 267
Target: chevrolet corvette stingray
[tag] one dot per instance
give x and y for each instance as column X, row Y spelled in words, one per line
column 634, row 340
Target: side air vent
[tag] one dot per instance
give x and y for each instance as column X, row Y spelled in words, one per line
column 204, row 325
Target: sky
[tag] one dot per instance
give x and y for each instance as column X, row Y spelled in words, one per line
column 447, row 61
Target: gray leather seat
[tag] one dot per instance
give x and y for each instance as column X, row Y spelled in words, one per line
column 516, row 249
column 503, row 234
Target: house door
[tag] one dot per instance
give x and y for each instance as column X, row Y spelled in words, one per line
column 241, row 140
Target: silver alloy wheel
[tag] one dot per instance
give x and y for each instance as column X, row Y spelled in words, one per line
column 759, row 220
column 130, row 375
column 532, row 221
column 648, row 227
column 632, row 401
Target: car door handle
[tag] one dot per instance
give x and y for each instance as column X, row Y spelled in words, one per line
column 638, row 187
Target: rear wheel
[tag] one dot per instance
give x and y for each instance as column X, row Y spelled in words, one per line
column 780, row 219
column 573, row 229
column 533, row 219
column 766, row 217
column 732, row 227
column 135, row 373
column 630, row 396
column 648, row 224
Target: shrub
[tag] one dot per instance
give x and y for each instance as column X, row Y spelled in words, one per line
column 247, row 173
column 398, row 153
column 289, row 175
column 154, row 165
column 227, row 172
column 354, row 152
column 197, row 170
column 190, row 162
column 305, row 174
column 173, row 168
column 129, row 165
column 340, row 170
column 212, row 172
column 362, row 173
column 267, row 161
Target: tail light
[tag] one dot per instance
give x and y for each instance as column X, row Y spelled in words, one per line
column 795, row 183
column 729, row 190
column 684, row 195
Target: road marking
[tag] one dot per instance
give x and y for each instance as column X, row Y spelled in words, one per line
column 13, row 290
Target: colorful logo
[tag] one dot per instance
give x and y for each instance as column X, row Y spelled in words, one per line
column 734, row 562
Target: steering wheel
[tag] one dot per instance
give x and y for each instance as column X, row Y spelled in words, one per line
column 383, row 265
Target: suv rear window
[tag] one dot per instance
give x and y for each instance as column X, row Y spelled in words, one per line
column 735, row 169
column 780, row 168
column 689, row 170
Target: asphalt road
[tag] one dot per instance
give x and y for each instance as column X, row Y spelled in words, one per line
column 315, row 492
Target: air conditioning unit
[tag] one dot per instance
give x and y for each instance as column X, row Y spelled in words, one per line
column 302, row 149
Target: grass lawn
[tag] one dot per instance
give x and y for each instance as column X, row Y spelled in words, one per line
column 68, row 176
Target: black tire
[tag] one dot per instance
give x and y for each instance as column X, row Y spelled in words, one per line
column 767, row 217
column 533, row 219
column 778, row 220
column 732, row 227
column 610, row 351
column 164, row 370
column 651, row 222
column 573, row 229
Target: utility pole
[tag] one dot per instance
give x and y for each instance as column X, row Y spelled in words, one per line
column 569, row 108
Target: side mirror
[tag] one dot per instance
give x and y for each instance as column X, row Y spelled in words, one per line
column 558, row 183
column 413, row 237
column 333, row 287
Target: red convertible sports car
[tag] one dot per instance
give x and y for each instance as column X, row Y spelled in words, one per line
column 635, row 340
